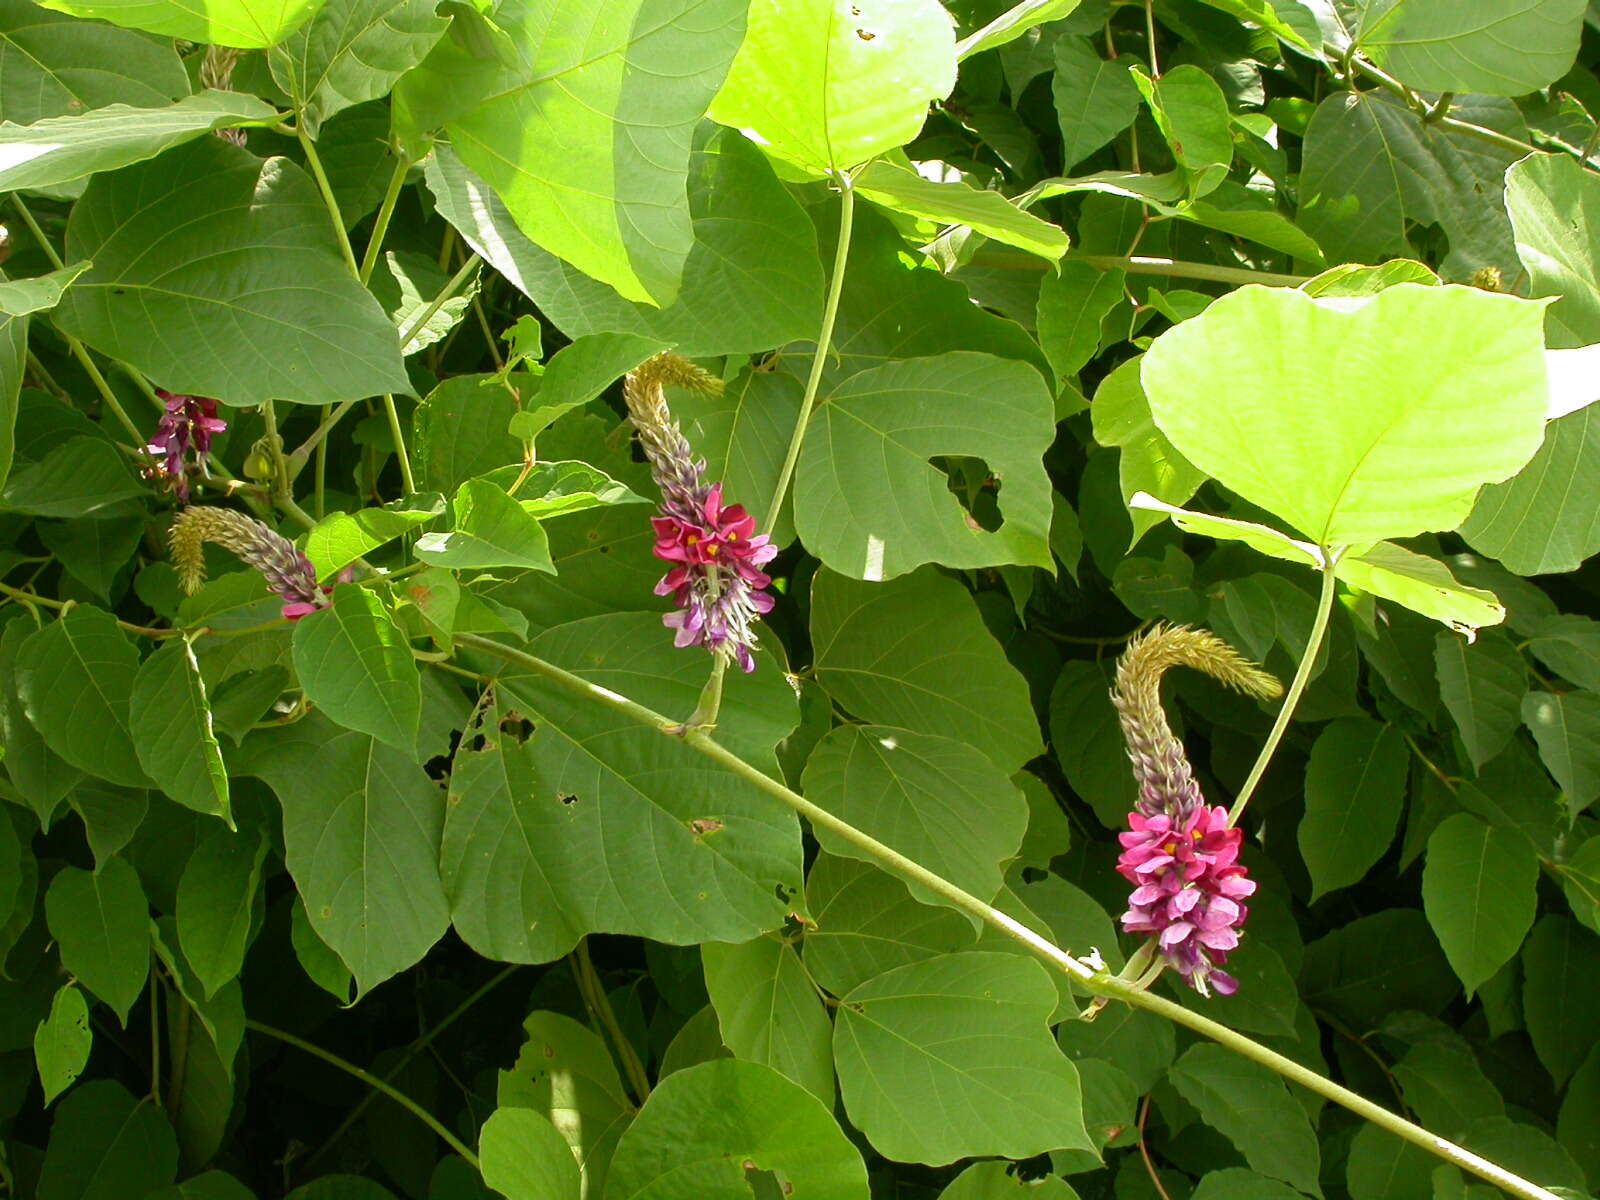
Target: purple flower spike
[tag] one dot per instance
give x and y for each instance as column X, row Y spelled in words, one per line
column 274, row 557
column 187, row 426
column 1181, row 856
column 716, row 555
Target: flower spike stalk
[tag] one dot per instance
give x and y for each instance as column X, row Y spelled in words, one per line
column 715, row 554
column 274, row 557
column 1180, row 855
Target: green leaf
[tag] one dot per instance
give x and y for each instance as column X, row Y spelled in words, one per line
column 55, row 65
column 342, row 537
column 1570, row 646
column 211, row 1185
column 701, row 1125
column 61, row 1043
column 752, row 279
column 952, row 1057
column 321, row 963
column 1555, row 211
column 579, row 372
column 1371, row 166
column 958, row 203
column 1141, row 1044
column 1355, row 788
column 940, row 802
column 278, row 316
column 170, row 717
column 1192, row 114
column 1012, row 24
column 1445, row 1087
column 553, row 489
column 584, row 130
column 565, row 1073
column 407, row 286
column 355, row 665
column 341, row 1187
column 1561, row 978
column 1382, row 1167
column 105, row 1145
column 59, row 150
column 361, row 829
column 1399, row 449
column 1342, row 974
column 82, row 476
column 352, row 51
column 867, row 923
column 524, row 1158
column 75, row 679
column 992, row 1180
column 827, row 91
column 1580, row 879
column 1566, row 727
column 1073, row 301
column 1094, row 99
column 111, row 816
column 1579, row 1125
column 1482, row 684
column 218, row 896
column 41, row 776
column 1537, row 522
column 491, row 530
column 769, row 1011
column 1261, row 538
column 1478, row 890
column 101, row 921
column 870, row 504
column 1496, row 47
column 915, row 653
column 461, row 432
column 1236, row 1183
column 19, row 297
column 1424, row 585
column 1148, row 464
column 94, row 552
column 1526, row 1150
column 566, row 818
column 1267, row 999
column 1088, row 741
column 246, row 24
column 1253, row 1108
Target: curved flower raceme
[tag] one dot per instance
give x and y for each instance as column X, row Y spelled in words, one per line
column 274, row 557
column 1180, row 856
column 187, row 426
column 716, row 578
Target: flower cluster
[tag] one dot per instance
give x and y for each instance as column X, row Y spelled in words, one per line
column 1181, row 856
column 186, row 428
column 716, row 578
column 274, row 557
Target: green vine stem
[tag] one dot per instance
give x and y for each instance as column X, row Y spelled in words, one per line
column 1484, row 134
column 373, row 1082
column 329, row 200
column 416, row 1048
column 1093, row 979
column 599, row 1005
column 1007, row 260
column 819, row 360
column 1291, row 698
column 380, row 224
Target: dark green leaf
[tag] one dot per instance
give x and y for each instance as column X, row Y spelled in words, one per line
column 1088, row 741
column 1561, row 993
column 105, row 1145
column 355, row 665
column 102, row 924
column 769, row 1011
column 218, row 899
column 1343, row 974
column 172, row 730
column 1251, row 1105
column 1095, row 100
column 1479, row 893
column 1492, row 46
column 81, row 477
column 1355, row 788
column 1567, row 728
column 54, row 65
column 1482, row 684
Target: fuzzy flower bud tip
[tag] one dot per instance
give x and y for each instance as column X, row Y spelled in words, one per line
column 1180, row 856
column 186, row 428
column 716, row 555
column 275, row 558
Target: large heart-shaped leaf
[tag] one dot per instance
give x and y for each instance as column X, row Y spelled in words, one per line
column 769, row 1010
column 1320, row 412
column 246, row 24
column 1497, row 47
column 361, row 828
column 583, row 126
column 568, row 818
column 55, row 65
column 952, row 1057
column 216, row 274
column 868, row 501
column 826, row 84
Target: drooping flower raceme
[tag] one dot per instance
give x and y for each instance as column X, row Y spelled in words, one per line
column 1180, row 856
column 716, row 578
column 187, row 427
column 274, row 557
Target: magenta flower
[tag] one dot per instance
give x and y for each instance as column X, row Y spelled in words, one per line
column 1187, row 888
column 186, row 428
column 1181, row 856
column 716, row 578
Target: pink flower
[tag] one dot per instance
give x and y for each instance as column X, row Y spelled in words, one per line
column 1188, row 886
column 189, row 424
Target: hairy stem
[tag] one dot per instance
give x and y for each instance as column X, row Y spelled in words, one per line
column 830, row 312
column 1291, row 698
column 373, row 1082
column 1094, row 980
